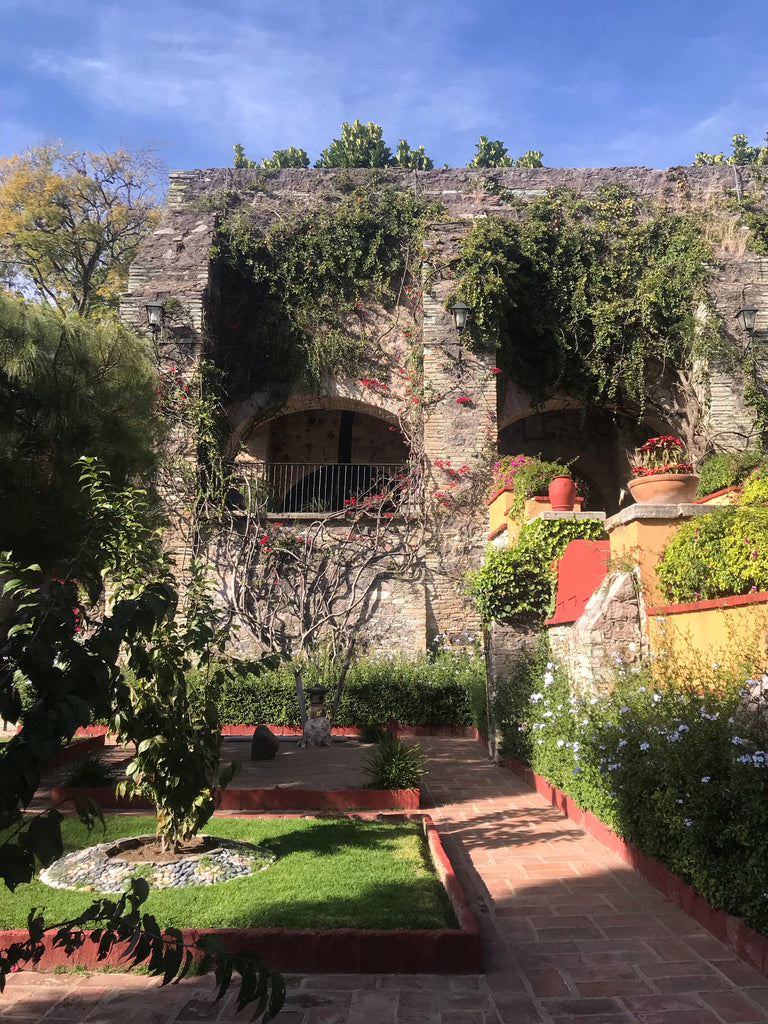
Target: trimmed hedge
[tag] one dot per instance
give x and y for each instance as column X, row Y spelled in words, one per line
column 447, row 689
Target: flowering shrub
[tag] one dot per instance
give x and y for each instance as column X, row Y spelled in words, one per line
column 722, row 553
column 665, row 454
column 681, row 771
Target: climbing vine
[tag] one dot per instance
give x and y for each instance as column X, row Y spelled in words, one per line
column 590, row 294
column 305, row 288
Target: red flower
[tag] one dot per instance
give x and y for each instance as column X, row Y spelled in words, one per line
column 494, row 369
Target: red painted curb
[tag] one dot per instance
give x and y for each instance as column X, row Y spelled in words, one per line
column 260, row 799
column 744, row 941
column 72, row 751
column 466, row 731
column 342, row 950
column 735, row 601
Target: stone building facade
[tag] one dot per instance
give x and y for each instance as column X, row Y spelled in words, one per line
column 466, row 418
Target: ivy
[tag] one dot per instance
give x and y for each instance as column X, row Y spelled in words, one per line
column 590, row 294
column 299, row 294
column 519, row 581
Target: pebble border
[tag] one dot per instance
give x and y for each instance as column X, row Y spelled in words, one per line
column 92, row 870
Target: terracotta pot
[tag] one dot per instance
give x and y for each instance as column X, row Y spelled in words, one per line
column 664, row 488
column 562, row 494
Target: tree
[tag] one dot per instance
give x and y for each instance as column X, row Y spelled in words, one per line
column 415, row 159
column 67, row 386
column 494, row 154
column 71, row 224
column 362, row 145
column 742, row 153
column 291, row 157
column 71, row 677
column 490, row 154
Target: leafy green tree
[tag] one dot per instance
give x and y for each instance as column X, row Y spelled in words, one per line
column 531, row 158
column 742, row 153
column 68, row 385
column 490, row 154
column 291, row 157
column 360, row 145
column 72, row 677
column 494, row 154
column 415, row 159
column 71, row 224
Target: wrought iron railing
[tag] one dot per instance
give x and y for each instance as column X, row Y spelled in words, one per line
column 306, row 487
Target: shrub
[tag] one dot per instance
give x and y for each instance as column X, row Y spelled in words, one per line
column 393, row 764
column 722, row 553
column 89, row 770
column 527, row 476
column 519, row 580
column 726, row 469
column 445, row 689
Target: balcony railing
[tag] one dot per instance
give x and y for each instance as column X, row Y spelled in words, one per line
column 306, row 487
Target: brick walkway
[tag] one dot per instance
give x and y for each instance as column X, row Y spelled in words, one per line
column 570, row 933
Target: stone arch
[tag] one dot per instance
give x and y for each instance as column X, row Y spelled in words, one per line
column 315, row 451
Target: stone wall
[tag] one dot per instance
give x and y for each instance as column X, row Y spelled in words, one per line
column 457, row 420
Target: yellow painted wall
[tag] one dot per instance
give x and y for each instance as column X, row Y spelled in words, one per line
column 642, row 542
column 715, row 635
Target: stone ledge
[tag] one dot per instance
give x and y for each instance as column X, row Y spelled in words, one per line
column 649, row 510
column 550, row 514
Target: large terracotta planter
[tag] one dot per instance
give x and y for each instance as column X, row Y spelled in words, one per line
column 562, row 494
column 664, row 488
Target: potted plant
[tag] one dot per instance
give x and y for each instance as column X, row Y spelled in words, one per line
column 527, row 476
column 662, row 472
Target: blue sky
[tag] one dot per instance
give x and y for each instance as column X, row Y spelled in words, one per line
column 591, row 83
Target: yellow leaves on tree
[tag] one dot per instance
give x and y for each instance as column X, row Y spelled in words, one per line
column 71, row 223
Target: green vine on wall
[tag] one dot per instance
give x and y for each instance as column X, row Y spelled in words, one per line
column 300, row 294
column 593, row 295
column 518, row 581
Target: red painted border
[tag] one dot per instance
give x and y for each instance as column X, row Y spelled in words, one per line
column 744, row 941
column 465, row 731
column 342, row 950
column 736, row 489
column 72, row 751
column 260, row 799
column 735, row 601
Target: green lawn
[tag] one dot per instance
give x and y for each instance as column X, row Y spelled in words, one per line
column 330, row 873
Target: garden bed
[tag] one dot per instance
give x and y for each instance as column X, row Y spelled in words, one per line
column 322, row 876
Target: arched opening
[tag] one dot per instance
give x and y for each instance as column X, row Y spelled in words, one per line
column 591, row 439
column 317, row 460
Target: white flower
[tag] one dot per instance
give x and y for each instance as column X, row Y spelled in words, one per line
column 536, row 697
column 561, row 743
column 644, row 746
column 705, row 778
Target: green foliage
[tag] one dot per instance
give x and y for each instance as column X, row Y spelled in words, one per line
column 67, row 386
column 591, row 294
column 529, row 478
column 519, row 581
column 172, row 722
column 73, row 678
column 298, row 291
column 71, row 224
column 394, row 764
column 322, row 878
column 669, row 759
column 442, row 690
column 742, row 153
column 362, row 145
column 725, row 469
column 494, row 154
column 89, row 770
column 721, row 553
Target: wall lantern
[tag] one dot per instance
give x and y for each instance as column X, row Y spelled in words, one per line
column 155, row 312
column 460, row 310
column 746, row 316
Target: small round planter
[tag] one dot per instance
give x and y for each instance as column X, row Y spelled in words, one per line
column 562, row 494
column 664, row 488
